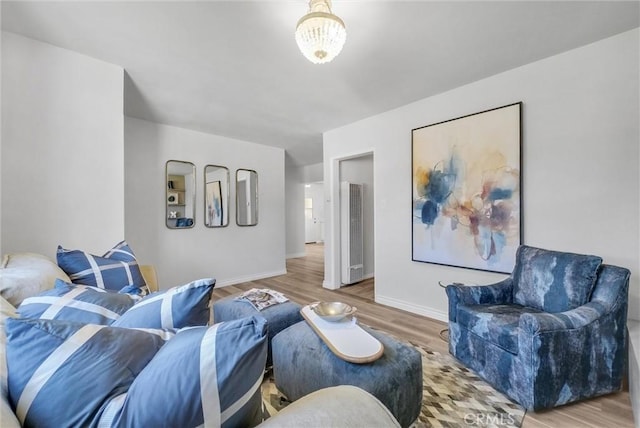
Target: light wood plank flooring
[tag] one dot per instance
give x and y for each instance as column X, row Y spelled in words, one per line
column 303, row 284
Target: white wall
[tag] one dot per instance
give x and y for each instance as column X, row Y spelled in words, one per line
column 360, row 171
column 294, row 190
column 580, row 168
column 230, row 254
column 1, row 34
column 62, row 149
column 313, row 173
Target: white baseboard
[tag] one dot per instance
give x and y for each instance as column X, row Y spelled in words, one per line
column 241, row 279
column 296, row 255
column 415, row 309
column 634, row 368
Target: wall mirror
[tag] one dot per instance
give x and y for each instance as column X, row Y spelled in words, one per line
column 180, row 199
column 216, row 196
column 246, row 197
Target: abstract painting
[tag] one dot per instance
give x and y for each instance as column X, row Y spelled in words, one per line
column 466, row 184
column 214, row 204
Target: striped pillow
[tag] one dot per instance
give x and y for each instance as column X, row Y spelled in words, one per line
column 61, row 373
column 182, row 306
column 80, row 303
column 116, row 269
column 201, row 377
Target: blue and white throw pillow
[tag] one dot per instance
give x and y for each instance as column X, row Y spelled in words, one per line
column 182, row 306
column 62, row 373
column 201, row 377
column 73, row 302
column 116, row 269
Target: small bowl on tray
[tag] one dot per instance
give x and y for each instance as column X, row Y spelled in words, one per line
column 332, row 311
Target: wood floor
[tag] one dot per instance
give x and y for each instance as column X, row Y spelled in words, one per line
column 303, row 284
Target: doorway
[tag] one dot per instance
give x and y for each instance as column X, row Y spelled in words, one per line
column 314, row 212
column 359, row 170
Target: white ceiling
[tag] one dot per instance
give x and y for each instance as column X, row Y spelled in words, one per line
column 233, row 68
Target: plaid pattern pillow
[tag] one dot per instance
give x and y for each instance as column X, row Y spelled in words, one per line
column 178, row 307
column 116, row 269
column 202, row 377
column 61, row 373
column 76, row 303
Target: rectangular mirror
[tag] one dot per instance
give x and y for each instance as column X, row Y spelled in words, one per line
column 180, row 185
column 246, row 197
column 216, row 196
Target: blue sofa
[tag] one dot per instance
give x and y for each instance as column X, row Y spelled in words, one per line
column 552, row 333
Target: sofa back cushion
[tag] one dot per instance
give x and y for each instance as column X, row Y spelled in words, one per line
column 201, row 377
column 178, row 307
column 74, row 302
column 553, row 281
column 116, row 269
column 61, row 373
column 24, row 275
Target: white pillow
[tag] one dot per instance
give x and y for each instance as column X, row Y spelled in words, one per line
column 24, row 275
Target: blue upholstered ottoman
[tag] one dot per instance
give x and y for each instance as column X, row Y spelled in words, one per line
column 302, row 364
column 278, row 316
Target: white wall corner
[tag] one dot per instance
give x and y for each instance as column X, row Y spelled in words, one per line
column 249, row 278
column 330, row 285
column 296, row 255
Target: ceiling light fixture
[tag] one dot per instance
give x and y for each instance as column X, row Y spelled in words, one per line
column 320, row 34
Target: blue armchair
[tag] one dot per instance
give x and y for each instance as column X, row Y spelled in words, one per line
column 552, row 333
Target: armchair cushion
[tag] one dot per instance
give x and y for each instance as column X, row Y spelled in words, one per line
column 497, row 324
column 553, row 281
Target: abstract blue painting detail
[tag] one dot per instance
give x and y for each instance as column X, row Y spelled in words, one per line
column 466, row 190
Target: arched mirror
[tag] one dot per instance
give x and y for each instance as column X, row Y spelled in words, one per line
column 180, row 185
column 216, row 196
column 246, row 197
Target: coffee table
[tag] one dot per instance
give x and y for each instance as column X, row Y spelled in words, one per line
column 345, row 338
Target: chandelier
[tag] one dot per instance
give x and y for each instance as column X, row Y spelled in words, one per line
column 320, row 34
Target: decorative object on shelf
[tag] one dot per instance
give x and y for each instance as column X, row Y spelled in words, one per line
column 173, row 198
column 216, row 198
column 466, row 185
column 246, row 197
column 320, row 34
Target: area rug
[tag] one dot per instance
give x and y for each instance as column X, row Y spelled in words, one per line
column 453, row 396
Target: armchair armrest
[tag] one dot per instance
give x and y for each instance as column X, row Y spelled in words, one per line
column 496, row 294
column 150, row 277
column 534, row 323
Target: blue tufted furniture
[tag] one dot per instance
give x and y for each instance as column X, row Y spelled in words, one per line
column 278, row 316
column 552, row 333
column 303, row 363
